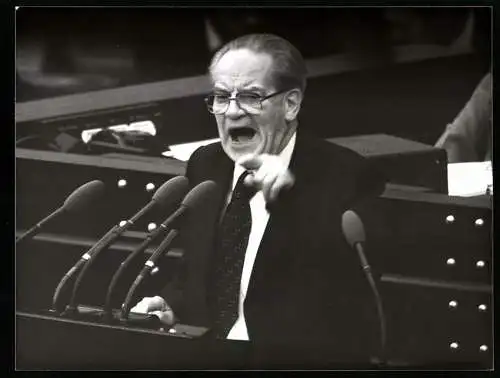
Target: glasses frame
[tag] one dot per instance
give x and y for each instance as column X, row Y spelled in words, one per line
column 235, row 98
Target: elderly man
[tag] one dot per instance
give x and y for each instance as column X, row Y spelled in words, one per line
column 280, row 272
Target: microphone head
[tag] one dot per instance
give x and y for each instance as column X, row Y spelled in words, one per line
column 84, row 196
column 199, row 194
column 353, row 228
column 171, row 191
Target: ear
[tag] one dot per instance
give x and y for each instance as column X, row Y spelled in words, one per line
column 293, row 100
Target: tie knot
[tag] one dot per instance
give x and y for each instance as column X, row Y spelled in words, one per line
column 241, row 191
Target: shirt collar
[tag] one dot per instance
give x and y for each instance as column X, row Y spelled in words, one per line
column 285, row 155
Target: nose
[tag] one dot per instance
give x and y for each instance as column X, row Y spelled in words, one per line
column 233, row 109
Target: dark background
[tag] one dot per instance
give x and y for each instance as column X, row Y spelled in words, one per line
column 139, row 45
column 68, row 50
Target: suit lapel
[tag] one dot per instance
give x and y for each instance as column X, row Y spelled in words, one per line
column 218, row 168
column 280, row 229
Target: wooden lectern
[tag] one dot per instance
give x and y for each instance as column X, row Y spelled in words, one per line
column 56, row 343
column 49, row 342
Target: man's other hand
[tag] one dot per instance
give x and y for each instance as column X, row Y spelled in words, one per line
column 270, row 174
column 155, row 306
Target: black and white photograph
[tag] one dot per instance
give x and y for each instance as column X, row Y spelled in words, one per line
column 253, row 188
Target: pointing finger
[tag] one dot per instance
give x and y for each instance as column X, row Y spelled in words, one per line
column 282, row 182
column 273, row 192
column 267, row 184
column 260, row 175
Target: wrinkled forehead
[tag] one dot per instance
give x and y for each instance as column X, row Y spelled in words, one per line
column 243, row 68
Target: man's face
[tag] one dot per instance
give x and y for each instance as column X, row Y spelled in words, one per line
column 245, row 72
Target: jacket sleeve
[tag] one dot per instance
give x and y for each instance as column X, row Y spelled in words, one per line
column 467, row 137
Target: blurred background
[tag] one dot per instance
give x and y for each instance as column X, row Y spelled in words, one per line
column 401, row 71
column 70, row 50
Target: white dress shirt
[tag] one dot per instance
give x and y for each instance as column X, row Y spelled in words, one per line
column 260, row 217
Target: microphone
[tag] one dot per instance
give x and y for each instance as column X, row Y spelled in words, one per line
column 172, row 189
column 196, row 196
column 75, row 202
column 199, row 194
column 354, row 232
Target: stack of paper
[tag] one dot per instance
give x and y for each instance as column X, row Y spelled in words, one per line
column 470, row 179
column 142, row 127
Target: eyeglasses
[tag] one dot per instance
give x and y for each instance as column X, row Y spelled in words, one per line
column 249, row 102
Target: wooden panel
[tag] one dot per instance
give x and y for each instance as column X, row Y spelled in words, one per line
column 44, row 342
column 402, row 161
column 412, row 234
column 45, row 179
column 422, row 325
column 119, row 162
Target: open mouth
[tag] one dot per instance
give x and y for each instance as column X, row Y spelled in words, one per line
column 242, row 134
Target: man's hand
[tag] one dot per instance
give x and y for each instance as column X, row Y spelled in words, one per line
column 155, row 306
column 271, row 175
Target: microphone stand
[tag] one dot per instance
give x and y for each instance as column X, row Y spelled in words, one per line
column 164, row 227
column 108, row 311
column 75, row 269
column 36, row 228
column 148, row 266
column 378, row 300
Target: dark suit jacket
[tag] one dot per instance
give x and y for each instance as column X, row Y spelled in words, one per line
column 307, row 287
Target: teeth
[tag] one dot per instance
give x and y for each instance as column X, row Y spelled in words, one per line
column 242, row 134
column 243, row 138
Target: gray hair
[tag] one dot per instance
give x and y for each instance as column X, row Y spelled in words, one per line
column 289, row 68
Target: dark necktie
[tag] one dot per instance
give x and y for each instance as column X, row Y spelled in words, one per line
column 230, row 251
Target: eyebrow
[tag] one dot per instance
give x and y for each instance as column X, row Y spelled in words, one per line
column 256, row 88
column 220, row 88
